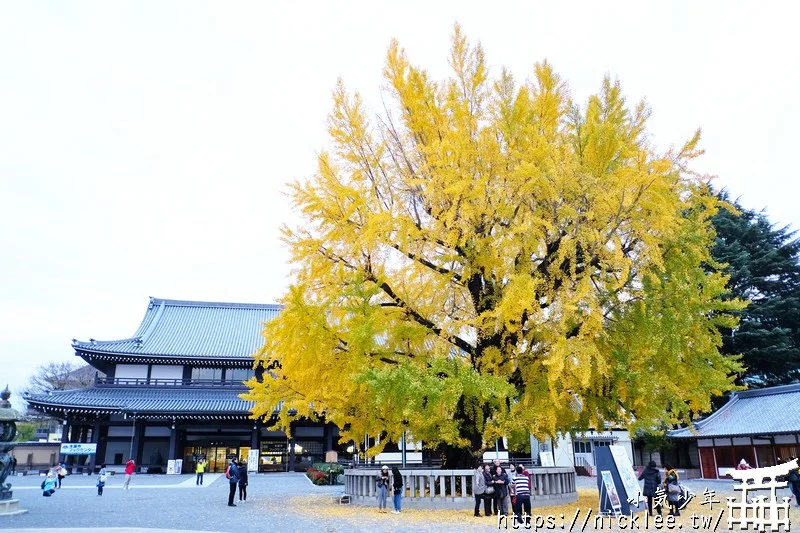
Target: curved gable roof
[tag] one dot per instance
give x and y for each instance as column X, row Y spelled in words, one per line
column 768, row 411
column 180, row 328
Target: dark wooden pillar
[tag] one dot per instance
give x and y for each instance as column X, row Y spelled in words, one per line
column 93, row 460
column 140, row 445
column 64, row 438
column 83, row 460
column 291, row 454
column 254, row 435
column 173, row 443
column 102, row 443
column 138, row 442
column 74, row 436
column 328, row 432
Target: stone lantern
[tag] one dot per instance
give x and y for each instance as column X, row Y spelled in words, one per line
column 8, row 430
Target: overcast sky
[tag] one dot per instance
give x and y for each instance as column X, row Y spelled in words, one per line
column 145, row 146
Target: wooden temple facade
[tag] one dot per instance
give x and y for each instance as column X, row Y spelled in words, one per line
column 171, row 391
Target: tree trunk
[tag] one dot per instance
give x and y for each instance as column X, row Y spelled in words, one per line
column 468, row 456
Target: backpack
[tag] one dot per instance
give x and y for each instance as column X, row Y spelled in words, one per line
column 228, row 472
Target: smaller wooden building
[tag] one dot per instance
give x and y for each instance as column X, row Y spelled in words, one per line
column 761, row 426
column 35, row 457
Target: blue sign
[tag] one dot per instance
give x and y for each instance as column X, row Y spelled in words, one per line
column 79, row 448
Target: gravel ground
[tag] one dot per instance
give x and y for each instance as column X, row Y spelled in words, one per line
column 276, row 502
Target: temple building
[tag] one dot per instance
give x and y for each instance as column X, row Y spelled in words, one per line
column 761, row 426
column 171, row 391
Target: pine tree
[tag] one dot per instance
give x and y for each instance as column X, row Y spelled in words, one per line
column 486, row 259
column 764, row 268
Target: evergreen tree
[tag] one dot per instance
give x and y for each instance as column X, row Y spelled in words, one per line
column 764, row 268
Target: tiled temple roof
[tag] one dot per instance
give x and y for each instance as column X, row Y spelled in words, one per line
column 153, row 400
column 190, row 330
column 769, row 411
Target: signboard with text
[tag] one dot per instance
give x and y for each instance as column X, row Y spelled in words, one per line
column 626, row 472
column 606, row 463
column 611, row 499
column 252, row 461
column 78, row 448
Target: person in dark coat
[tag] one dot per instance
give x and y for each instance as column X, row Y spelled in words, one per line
column 242, row 481
column 233, row 478
column 489, row 501
column 652, row 479
column 397, row 485
column 500, row 482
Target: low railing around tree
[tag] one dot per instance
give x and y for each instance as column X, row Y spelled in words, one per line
column 434, row 488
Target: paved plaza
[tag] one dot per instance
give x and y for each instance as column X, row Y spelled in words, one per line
column 276, row 502
column 167, row 502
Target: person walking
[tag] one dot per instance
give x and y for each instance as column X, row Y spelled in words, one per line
column 479, row 490
column 200, row 469
column 61, row 472
column 232, row 473
column 652, row 479
column 49, row 485
column 522, row 496
column 382, row 482
column 674, row 491
column 242, row 481
column 101, row 480
column 13, row 465
column 130, row 468
column 397, row 484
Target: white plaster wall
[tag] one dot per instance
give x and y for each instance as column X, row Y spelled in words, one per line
column 166, row 372
column 562, row 451
column 131, row 371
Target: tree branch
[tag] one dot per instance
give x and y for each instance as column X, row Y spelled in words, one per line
column 421, row 260
column 455, row 340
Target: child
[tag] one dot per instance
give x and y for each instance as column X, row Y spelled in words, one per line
column 61, row 470
column 101, row 480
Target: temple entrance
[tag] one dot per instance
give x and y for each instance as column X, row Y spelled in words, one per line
column 217, row 457
column 273, row 456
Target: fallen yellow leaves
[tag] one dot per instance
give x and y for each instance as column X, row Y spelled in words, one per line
column 460, row 518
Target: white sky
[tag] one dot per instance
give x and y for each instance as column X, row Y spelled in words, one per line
column 144, row 146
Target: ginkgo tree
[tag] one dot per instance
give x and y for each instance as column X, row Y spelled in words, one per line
column 484, row 256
